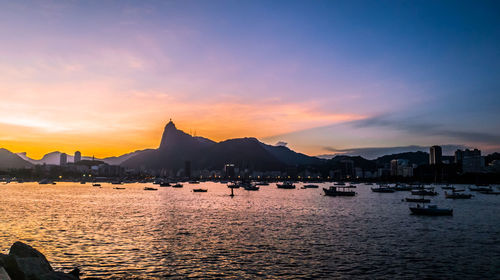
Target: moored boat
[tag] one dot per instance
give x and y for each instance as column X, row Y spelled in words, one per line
column 45, row 182
column 402, row 187
column 311, row 186
column 286, row 185
column 200, row 190
column 431, row 210
column 150, row 189
column 338, row 191
column 455, row 195
column 177, row 186
column 383, row 189
column 96, row 185
column 419, row 200
column 164, row 184
column 490, row 192
column 248, row 186
column 481, row 188
column 424, row 192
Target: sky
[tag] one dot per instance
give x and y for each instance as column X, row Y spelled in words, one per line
column 104, row 77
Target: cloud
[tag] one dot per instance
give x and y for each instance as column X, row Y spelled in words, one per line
column 423, row 128
column 281, row 143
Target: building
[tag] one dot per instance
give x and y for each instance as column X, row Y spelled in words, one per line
column 229, row 171
column 435, row 155
column 63, row 159
column 459, row 156
column 401, row 167
column 78, row 156
column 472, row 161
column 187, row 169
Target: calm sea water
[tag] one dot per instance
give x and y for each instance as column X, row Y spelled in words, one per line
column 271, row 233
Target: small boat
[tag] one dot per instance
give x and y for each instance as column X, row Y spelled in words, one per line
column 481, row 188
column 194, row 182
column 286, row 185
column 150, row 189
column 164, row 184
column 455, row 195
column 338, row 191
column 431, row 210
column 118, row 188
column 45, row 182
column 423, row 192
column 490, row 192
column 262, row 184
column 117, row 182
column 83, row 182
column 177, row 186
column 234, row 186
column 383, row 189
column 53, row 183
column 311, row 186
column 403, row 188
column 96, row 185
column 419, row 200
column 251, row 187
column 200, row 190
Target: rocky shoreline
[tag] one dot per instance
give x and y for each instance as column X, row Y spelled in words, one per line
column 26, row 263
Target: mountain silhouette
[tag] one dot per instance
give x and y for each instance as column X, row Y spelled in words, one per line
column 177, row 147
column 9, row 160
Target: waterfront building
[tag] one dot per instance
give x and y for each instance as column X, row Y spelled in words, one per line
column 78, row 157
column 435, row 155
column 472, row 161
column 63, row 159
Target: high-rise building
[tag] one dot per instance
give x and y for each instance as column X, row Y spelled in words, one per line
column 435, row 155
column 78, row 156
column 472, row 161
column 229, row 170
column 459, row 156
column 401, row 167
column 187, row 169
column 63, row 159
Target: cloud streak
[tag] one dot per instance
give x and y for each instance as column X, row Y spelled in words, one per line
column 417, row 127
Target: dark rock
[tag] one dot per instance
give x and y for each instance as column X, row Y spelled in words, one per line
column 55, row 275
column 9, row 262
column 26, row 263
column 3, row 274
column 21, row 250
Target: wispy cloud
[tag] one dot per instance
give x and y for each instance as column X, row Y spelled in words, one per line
column 418, row 127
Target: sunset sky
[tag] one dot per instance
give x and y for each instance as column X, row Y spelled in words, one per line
column 104, row 77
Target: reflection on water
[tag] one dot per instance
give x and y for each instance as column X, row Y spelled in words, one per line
column 272, row 233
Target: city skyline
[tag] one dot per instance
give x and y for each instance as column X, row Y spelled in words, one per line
column 104, row 78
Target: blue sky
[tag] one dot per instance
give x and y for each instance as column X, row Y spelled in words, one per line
column 319, row 75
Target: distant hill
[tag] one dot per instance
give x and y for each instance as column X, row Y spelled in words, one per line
column 9, row 160
column 52, row 158
column 177, row 147
column 120, row 159
column 418, row 158
column 357, row 160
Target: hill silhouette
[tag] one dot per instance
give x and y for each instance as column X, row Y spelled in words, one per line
column 177, row 147
column 9, row 160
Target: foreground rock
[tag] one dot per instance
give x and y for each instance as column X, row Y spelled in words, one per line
column 26, row 263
